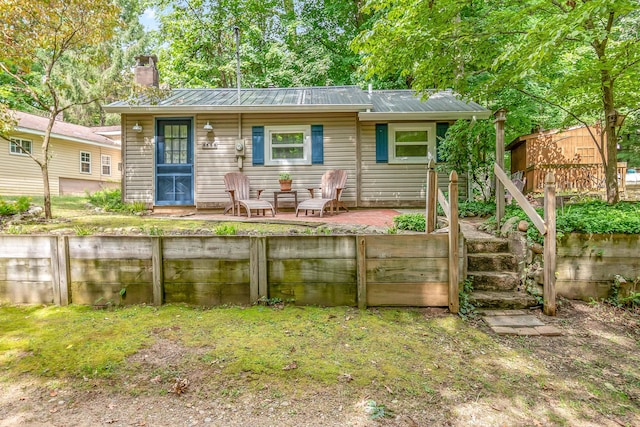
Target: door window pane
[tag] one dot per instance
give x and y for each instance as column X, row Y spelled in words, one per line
column 175, row 144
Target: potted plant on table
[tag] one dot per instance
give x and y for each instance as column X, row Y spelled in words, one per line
column 285, row 181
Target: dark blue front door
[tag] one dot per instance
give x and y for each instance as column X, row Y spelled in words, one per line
column 174, row 162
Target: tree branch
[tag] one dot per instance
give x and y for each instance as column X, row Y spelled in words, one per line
column 26, row 85
column 66, row 107
column 575, row 116
column 624, row 68
column 19, row 145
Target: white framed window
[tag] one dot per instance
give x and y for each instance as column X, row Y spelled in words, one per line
column 412, row 142
column 85, row 162
column 287, row 145
column 16, row 143
column 105, row 162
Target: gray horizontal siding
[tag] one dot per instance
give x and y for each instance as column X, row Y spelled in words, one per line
column 386, row 184
column 212, row 164
column 138, row 180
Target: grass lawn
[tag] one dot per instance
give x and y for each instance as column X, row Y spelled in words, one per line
column 74, row 215
column 313, row 366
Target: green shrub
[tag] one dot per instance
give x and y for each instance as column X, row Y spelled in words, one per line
column 591, row 217
column 410, row 221
column 476, row 208
column 111, row 201
column 21, row 204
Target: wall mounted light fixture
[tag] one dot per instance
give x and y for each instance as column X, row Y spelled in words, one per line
column 137, row 127
column 208, row 127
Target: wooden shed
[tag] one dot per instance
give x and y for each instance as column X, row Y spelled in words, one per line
column 570, row 154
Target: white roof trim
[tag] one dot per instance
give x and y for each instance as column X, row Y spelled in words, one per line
column 115, row 145
column 289, row 108
column 424, row 115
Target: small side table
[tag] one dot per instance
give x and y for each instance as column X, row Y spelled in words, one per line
column 282, row 193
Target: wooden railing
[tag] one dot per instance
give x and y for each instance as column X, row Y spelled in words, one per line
column 546, row 227
column 575, row 177
column 450, row 208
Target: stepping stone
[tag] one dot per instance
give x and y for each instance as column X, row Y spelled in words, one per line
column 516, row 322
column 548, row 331
column 522, row 321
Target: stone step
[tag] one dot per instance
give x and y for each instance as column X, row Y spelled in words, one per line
column 506, row 300
column 491, row 245
column 494, row 280
column 492, row 262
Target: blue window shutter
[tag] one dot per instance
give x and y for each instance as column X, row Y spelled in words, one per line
column 382, row 143
column 317, row 144
column 441, row 132
column 257, row 147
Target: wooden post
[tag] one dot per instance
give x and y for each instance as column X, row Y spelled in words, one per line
column 157, row 270
column 549, row 291
column 60, row 269
column 454, row 254
column 431, row 212
column 361, row 261
column 55, row 269
column 258, row 286
column 501, row 116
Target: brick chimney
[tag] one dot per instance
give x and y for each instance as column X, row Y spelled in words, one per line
column 145, row 72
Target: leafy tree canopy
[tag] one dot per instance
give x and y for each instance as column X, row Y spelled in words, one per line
column 36, row 37
column 581, row 57
column 283, row 43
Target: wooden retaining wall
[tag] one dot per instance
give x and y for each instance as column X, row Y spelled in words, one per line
column 364, row 270
column 586, row 264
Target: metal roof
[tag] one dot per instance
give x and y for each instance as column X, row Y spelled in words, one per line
column 336, row 98
column 391, row 101
column 379, row 104
column 408, row 105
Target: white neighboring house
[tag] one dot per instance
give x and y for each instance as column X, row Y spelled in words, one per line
column 82, row 158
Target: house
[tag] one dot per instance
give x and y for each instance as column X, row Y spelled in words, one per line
column 178, row 146
column 571, row 154
column 82, row 158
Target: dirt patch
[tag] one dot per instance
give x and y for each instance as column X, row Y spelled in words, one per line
column 590, row 376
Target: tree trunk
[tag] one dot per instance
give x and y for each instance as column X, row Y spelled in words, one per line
column 44, row 167
column 608, row 104
column 611, row 162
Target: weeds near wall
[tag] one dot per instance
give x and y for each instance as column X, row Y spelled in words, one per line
column 631, row 299
column 467, row 310
column 377, row 410
column 226, row 230
column 83, row 231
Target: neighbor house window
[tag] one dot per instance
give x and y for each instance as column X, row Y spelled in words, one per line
column 85, row 162
column 412, row 143
column 16, row 143
column 288, row 145
column 105, row 161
